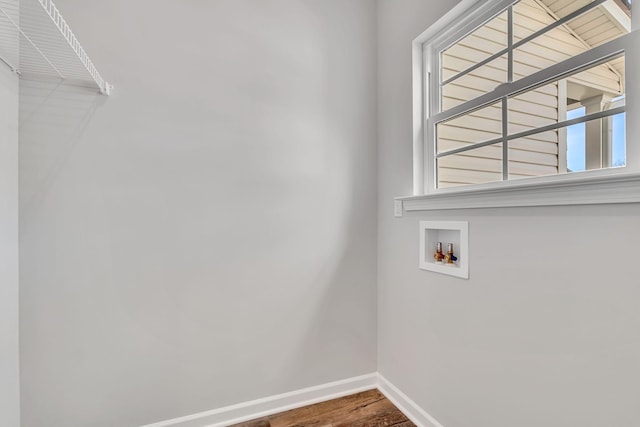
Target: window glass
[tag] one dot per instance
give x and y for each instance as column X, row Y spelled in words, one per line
column 534, row 109
column 477, row 82
column 483, row 124
column 575, row 142
column 588, row 30
column 477, row 46
column 582, row 152
column 468, row 145
column 472, row 66
column 538, row 144
column 619, row 148
column 478, row 166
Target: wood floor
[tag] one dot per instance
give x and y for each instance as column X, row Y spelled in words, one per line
column 366, row 409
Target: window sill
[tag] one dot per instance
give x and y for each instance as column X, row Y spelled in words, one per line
column 578, row 190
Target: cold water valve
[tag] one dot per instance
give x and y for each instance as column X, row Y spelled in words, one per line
column 450, row 258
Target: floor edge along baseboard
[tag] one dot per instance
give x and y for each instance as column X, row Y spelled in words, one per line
column 411, row 409
column 258, row 408
column 246, row 411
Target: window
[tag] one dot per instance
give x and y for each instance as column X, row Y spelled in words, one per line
column 516, row 94
column 612, row 142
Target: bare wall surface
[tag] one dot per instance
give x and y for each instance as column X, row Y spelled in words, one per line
column 9, row 363
column 545, row 331
column 207, row 235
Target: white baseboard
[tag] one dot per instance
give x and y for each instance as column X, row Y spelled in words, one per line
column 273, row 404
column 415, row 413
column 258, row 408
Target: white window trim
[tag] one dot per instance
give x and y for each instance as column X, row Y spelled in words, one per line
column 616, row 185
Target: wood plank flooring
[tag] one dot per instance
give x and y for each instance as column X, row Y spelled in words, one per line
column 366, row 409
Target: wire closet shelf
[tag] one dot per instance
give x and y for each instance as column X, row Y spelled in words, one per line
column 37, row 42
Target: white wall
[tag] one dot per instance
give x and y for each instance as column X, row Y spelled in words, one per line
column 9, row 364
column 545, row 331
column 207, row 235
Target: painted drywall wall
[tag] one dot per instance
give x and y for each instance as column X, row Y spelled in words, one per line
column 545, row 330
column 9, row 361
column 206, row 235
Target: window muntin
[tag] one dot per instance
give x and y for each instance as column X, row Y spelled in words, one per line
column 525, row 152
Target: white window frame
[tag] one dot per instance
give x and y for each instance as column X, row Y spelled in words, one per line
column 617, row 185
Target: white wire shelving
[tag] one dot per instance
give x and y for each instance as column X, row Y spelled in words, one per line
column 36, row 41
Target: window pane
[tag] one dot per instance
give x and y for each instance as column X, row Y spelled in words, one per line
column 530, row 16
column 477, row 126
column 606, row 22
column 529, row 157
column 618, row 138
column 477, row 166
column 595, row 144
column 587, row 92
column 534, row 109
column 477, row 82
column 477, row 46
column 575, row 135
column 601, row 24
column 456, row 61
